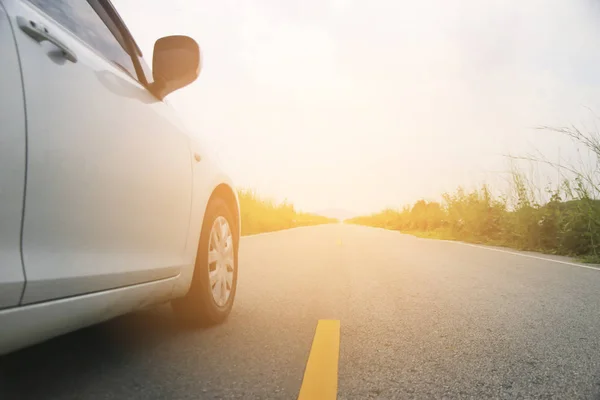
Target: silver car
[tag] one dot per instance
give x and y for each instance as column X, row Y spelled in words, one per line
column 107, row 204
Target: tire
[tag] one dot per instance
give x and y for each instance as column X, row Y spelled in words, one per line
column 199, row 307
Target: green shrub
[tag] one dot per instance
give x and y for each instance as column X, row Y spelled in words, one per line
column 260, row 215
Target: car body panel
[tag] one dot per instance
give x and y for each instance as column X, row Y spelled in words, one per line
column 12, row 167
column 55, row 307
column 27, row 325
column 109, row 175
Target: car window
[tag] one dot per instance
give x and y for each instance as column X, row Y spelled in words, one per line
column 79, row 17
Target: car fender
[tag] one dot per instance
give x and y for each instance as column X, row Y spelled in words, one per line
column 209, row 180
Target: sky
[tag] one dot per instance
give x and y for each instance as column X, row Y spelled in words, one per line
column 360, row 105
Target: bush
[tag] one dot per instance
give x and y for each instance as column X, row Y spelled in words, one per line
column 260, row 215
column 568, row 227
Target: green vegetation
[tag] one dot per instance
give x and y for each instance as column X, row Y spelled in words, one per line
column 566, row 223
column 263, row 215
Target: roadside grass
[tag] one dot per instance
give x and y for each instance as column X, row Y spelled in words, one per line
column 562, row 220
column 261, row 215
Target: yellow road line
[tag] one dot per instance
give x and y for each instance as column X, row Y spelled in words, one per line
column 321, row 374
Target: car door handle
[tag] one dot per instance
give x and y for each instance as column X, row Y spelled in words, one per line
column 40, row 34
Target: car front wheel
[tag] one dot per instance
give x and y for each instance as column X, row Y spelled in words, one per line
column 214, row 282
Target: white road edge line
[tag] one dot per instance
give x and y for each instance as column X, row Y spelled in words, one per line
column 523, row 255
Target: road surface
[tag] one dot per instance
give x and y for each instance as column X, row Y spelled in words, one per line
column 418, row 319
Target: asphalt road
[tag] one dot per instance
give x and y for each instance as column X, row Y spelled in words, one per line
column 419, row 319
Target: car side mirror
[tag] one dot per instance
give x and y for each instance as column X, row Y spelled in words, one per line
column 175, row 64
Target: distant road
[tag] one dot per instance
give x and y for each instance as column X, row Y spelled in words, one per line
column 417, row 319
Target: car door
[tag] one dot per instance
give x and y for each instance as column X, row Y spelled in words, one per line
column 109, row 175
column 12, row 166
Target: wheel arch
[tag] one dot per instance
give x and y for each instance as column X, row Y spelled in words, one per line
column 219, row 188
column 228, row 194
